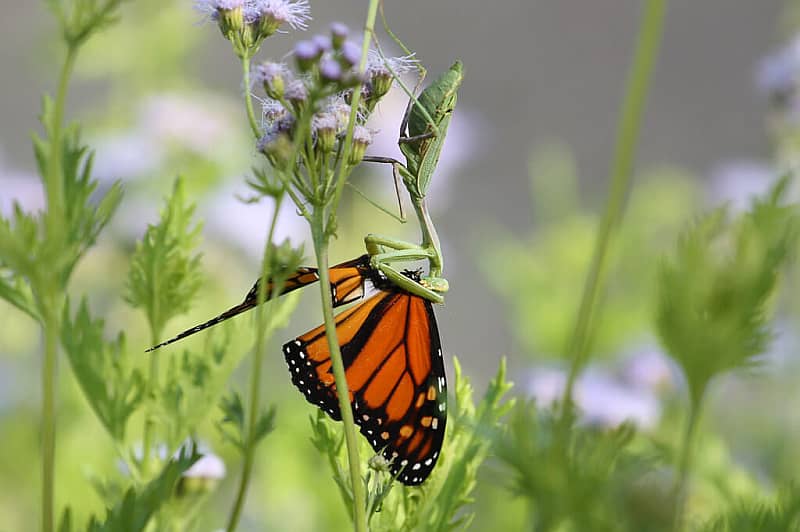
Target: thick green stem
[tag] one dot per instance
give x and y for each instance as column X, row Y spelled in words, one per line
column 54, row 180
column 255, row 377
column 152, row 386
column 637, row 87
column 248, row 98
column 50, row 294
column 51, row 338
column 342, row 391
column 684, row 464
column 685, row 461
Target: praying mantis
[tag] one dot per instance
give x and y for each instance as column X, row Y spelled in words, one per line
column 422, row 135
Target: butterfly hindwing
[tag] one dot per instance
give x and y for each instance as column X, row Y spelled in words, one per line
column 395, row 373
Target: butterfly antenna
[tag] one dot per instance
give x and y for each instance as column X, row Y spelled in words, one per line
column 231, row 312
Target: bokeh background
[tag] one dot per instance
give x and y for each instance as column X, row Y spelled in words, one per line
column 516, row 202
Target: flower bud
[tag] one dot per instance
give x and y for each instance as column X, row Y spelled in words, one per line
column 325, row 126
column 351, row 53
column 380, row 80
column 203, row 476
column 297, row 94
column 330, row 70
column 269, row 15
column 230, row 16
column 323, row 42
column 338, row 34
column 306, row 53
column 277, row 146
column 362, row 137
column 272, row 77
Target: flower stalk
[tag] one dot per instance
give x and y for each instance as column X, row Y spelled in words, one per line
column 637, row 88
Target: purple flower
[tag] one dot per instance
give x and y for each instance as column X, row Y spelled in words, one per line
column 209, row 466
column 330, row 69
column 351, row 53
column 338, row 34
column 231, row 222
column 601, row 399
column 363, row 135
column 323, row 42
column 379, row 66
column 739, row 181
column 296, row 91
column 295, row 13
column 273, row 77
column 212, row 8
column 778, row 74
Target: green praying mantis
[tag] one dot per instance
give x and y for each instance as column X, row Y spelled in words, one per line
column 422, row 135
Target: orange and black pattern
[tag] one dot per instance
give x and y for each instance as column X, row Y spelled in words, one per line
column 395, row 373
column 347, row 285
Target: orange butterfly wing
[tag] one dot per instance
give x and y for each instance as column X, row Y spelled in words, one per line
column 347, row 285
column 395, row 373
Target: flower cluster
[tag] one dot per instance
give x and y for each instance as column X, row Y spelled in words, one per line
column 316, row 98
column 246, row 23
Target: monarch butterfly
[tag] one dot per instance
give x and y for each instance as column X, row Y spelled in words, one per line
column 395, row 374
column 393, row 361
column 347, row 285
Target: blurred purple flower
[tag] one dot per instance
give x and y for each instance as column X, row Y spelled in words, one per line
column 20, row 187
column 245, row 225
column 295, row 13
column 165, row 122
column 777, row 74
column 377, row 65
column 649, row 370
column 209, row 466
column 601, row 399
column 738, row 181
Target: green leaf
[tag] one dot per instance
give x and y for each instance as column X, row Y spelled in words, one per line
column 134, row 512
column 233, row 416
column 578, row 477
column 781, row 515
column 65, row 525
column 264, row 425
column 111, row 384
column 714, row 295
column 165, row 270
column 16, row 291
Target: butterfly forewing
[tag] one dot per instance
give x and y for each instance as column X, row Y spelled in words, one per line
column 347, row 282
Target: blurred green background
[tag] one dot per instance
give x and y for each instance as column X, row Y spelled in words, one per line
column 516, row 203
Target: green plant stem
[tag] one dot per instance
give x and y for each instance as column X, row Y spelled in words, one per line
column 54, row 179
column 50, row 292
column 152, row 385
column 369, row 31
column 684, row 464
column 350, row 434
column 51, row 338
column 637, row 87
column 255, row 378
column 248, row 98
